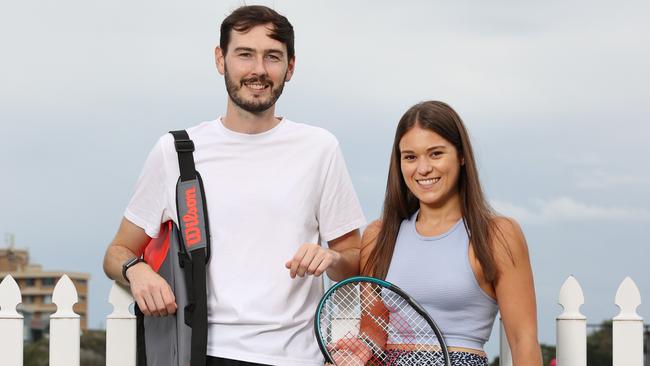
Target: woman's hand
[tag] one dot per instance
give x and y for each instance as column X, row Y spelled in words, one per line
column 350, row 352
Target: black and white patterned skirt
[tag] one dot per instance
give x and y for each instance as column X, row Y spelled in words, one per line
column 419, row 358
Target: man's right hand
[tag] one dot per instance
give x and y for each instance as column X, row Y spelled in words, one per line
column 150, row 291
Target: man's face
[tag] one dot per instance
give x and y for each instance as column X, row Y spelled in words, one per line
column 255, row 68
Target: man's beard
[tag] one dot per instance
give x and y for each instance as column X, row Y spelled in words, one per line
column 256, row 105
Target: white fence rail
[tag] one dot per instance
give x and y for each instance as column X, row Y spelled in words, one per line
column 120, row 329
column 11, row 323
column 571, row 326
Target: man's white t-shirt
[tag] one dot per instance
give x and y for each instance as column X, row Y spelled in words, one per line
column 267, row 194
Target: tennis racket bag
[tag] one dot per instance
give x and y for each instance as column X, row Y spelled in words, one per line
column 180, row 255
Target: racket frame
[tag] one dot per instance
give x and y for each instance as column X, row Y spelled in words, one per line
column 364, row 279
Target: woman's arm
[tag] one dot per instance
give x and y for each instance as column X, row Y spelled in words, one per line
column 515, row 292
column 357, row 351
column 368, row 242
column 377, row 312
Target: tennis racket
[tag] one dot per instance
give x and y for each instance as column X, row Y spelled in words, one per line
column 364, row 321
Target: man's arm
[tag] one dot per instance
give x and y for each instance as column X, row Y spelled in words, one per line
column 150, row 291
column 340, row 260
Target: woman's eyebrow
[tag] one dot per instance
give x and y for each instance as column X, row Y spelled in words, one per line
column 428, row 149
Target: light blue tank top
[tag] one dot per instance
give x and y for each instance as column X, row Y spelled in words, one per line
column 436, row 272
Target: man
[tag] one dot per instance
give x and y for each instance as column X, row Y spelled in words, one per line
column 274, row 188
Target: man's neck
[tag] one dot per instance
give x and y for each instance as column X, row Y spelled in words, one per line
column 242, row 121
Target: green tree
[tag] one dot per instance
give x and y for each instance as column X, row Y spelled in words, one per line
column 548, row 353
column 93, row 350
column 37, row 353
column 599, row 345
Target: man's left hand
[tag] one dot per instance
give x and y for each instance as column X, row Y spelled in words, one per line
column 311, row 259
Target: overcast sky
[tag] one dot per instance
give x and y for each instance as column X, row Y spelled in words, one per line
column 555, row 95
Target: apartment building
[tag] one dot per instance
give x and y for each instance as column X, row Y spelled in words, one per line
column 36, row 286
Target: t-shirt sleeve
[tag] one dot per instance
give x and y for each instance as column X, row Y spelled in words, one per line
column 339, row 210
column 148, row 206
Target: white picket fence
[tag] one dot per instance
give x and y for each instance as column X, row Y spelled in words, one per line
column 120, row 327
column 571, row 328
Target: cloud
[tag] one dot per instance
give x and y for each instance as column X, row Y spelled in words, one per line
column 541, row 211
column 601, row 179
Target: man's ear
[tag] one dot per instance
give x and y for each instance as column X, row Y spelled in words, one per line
column 219, row 59
column 290, row 68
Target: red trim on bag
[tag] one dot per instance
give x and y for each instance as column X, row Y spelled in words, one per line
column 156, row 251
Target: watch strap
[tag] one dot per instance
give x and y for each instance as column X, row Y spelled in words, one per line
column 128, row 264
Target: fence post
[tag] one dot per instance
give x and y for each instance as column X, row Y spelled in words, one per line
column 627, row 332
column 505, row 356
column 120, row 329
column 571, row 326
column 11, row 323
column 64, row 325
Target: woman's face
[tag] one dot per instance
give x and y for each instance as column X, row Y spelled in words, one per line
column 430, row 166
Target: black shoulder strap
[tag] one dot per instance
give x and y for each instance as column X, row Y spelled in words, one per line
column 194, row 238
column 185, row 149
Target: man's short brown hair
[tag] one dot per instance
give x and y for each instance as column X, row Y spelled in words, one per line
column 247, row 17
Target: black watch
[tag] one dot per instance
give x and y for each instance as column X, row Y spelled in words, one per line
column 128, row 264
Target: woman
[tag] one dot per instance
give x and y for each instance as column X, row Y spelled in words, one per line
column 439, row 240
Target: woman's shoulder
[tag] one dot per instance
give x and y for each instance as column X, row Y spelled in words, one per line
column 369, row 241
column 370, row 234
column 507, row 225
column 373, row 228
column 509, row 242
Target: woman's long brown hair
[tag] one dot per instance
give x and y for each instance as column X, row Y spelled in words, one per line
column 400, row 203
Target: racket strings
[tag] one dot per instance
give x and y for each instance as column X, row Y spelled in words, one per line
column 354, row 314
column 407, row 326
